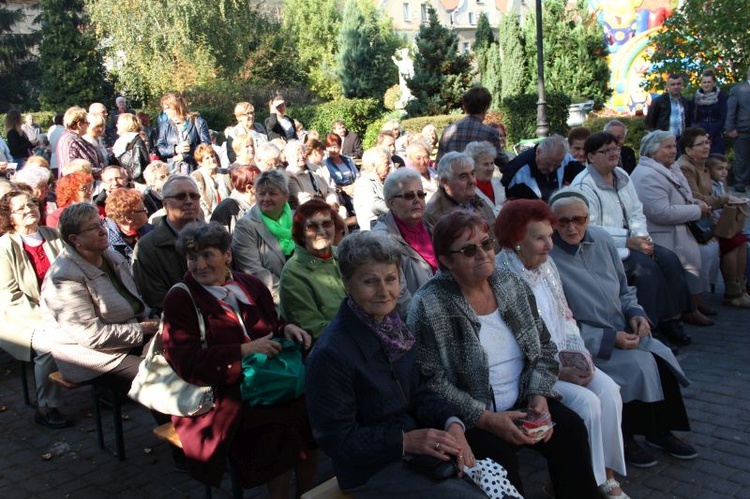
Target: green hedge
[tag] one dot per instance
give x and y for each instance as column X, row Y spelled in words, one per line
column 636, row 128
column 42, row 118
column 357, row 114
column 519, row 115
column 440, row 121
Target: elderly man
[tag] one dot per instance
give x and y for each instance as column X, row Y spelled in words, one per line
column 156, row 264
column 458, row 189
column 670, row 111
column 475, row 103
column 108, row 139
column 351, row 144
column 627, row 155
column 113, row 177
column 738, row 128
column 538, row 172
column 72, row 145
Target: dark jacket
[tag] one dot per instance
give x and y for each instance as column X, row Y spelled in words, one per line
column 627, row 159
column 351, row 145
column 168, row 137
column 660, row 109
column 135, row 158
column 360, row 404
column 276, row 131
column 523, row 180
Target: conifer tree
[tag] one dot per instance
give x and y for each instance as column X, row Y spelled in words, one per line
column 512, row 63
column 441, row 74
column 17, row 63
column 483, row 41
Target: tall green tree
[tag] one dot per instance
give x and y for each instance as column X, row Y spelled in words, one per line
column 441, row 74
column 492, row 78
column 367, row 44
column 575, row 53
column 483, row 41
column 18, row 62
column 71, row 63
column 313, row 27
column 512, row 61
column 703, row 34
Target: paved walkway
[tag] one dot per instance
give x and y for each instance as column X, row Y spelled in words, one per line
column 39, row 463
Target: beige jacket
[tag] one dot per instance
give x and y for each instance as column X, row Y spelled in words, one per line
column 19, row 292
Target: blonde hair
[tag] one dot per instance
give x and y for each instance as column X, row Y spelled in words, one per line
column 73, row 116
column 77, row 165
column 129, row 123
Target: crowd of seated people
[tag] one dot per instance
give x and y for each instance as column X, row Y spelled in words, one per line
column 441, row 289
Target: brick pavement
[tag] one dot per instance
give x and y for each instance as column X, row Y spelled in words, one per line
column 718, row 405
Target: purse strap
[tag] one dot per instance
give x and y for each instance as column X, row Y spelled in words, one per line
column 201, row 322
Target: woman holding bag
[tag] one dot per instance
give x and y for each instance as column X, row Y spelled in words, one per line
column 261, row 443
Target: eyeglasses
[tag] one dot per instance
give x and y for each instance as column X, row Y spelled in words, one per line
column 706, row 142
column 182, row 196
column 577, row 221
column 471, row 250
column 101, row 225
column 30, row 205
column 609, row 151
column 313, row 227
column 410, row 195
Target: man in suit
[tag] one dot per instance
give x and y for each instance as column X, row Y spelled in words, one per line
column 670, row 111
column 351, row 144
column 738, row 128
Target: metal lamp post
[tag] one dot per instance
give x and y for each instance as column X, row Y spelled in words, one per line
column 542, row 126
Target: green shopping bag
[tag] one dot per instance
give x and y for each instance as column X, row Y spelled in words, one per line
column 273, row 380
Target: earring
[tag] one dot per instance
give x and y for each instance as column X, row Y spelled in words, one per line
column 518, row 248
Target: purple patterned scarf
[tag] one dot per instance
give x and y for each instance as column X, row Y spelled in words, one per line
column 392, row 332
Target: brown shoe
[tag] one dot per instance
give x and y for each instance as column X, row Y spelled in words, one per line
column 696, row 319
column 705, row 310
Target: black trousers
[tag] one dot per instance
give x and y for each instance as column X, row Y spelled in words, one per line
column 660, row 283
column 567, row 452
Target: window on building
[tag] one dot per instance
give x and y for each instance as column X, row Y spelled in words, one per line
column 424, row 13
column 472, row 18
column 407, row 13
column 452, row 18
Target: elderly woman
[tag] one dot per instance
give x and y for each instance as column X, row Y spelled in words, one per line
column 489, row 187
column 364, row 394
column 71, row 145
column 180, row 134
column 127, row 220
column 310, row 289
column 710, row 106
column 617, row 333
column 524, row 229
column 93, row 135
column 268, row 157
column 94, row 316
column 731, row 253
column 244, row 113
column 38, row 179
column 243, row 147
column 419, row 159
column 342, row 170
column 483, row 348
column 242, row 198
column 403, row 222
column 669, row 205
column 155, row 174
column 655, row 271
column 129, row 149
column 205, row 177
column 77, row 187
column 261, row 443
column 304, row 184
column 262, row 241
column 368, row 200
column 26, row 252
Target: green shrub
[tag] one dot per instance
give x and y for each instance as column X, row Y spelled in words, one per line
column 391, row 97
column 370, row 138
column 356, row 113
column 519, row 115
column 636, row 128
column 440, row 121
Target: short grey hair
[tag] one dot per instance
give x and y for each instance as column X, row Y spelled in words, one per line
column 291, row 149
column 197, row 236
column 33, row 176
column 363, row 247
column 553, row 143
column 415, row 147
column 395, row 181
column 72, row 217
column 478, row 149
column 567, row 196
column 612, row 124
column 371, row 156
column 451, row 159
column 267, row 151
column 167, row 188
column 651, row 142
column 275, row 179
column 149, row 174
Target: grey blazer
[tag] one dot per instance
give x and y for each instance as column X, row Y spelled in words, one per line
column 90, row 325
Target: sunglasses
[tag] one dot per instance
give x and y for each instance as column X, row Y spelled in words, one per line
column 313, row 227
column 577, row 221
column 182, row 196
column 471, row 250
column 409, row 196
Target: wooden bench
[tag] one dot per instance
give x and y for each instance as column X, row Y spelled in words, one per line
column 102, row 395
column 326, row 490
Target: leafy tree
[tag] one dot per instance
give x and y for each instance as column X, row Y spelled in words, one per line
column 575, row 52
column 511, row 51
column 367, row 44
column 441, row 73
column 312, row 26
column 703, row 34
column 17, row 62
column 71, row 64
column 492, row 79
column 483, row 41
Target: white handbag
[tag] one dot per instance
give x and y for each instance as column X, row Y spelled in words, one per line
column 158, row 387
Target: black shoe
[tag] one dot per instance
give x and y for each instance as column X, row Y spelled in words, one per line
column 673, row 446
column 637, row 456
column 52, row 419
column 675, row 331
column 657, row 335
